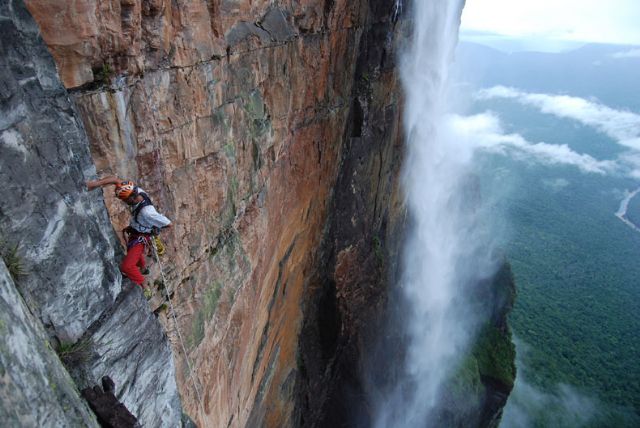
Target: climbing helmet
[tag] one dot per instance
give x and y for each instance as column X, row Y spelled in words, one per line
column 125, row 189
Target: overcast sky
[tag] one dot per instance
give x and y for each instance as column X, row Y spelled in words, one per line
column 603, row 21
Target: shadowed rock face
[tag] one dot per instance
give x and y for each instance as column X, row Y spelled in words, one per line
column 128, row 344
column 65, row 246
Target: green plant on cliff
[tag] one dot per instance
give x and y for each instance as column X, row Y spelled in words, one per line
column 466, row 383
column 490, row 364
column 72, row 354
column 103, row 74
column 230, row 149
column 231, row 295
column 197, row 330
column 491, row 360
column 257, row 114
column 233, row 185
column 13, row 260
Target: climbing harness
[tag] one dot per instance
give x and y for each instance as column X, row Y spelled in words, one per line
column 156, row 254
column 132, row 238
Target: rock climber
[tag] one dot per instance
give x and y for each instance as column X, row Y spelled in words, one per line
column 145, row 222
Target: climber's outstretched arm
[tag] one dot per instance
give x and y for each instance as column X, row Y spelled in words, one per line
column 106, row 181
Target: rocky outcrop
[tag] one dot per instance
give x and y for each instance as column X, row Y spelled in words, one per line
column 108, row 409
column 64, row 236
column 59, row 244
column 35, row 389
column 478, row 391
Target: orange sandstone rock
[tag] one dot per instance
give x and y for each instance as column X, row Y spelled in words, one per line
column 233, row 115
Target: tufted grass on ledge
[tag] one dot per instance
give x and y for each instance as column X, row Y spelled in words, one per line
column 72, row 354
column 12, row 259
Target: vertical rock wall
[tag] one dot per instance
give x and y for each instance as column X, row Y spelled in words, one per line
column 269, row 133
column 347, row 315
column 58, row 244
column 234, row 116
column 63, row 234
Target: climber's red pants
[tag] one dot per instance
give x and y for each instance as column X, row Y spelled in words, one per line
column 133, row 262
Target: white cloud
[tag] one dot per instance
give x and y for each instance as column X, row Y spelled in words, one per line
column 531, row 406
column 613, row 21
column 556, row 184
column 631, row 53
column 561, row 405
column 484, row 131
column 632, row 161
column 621, row 125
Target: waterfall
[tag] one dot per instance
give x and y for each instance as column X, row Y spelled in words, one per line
column 447, row 250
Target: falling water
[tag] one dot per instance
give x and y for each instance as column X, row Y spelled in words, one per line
column 397, row 10
column 446, row 251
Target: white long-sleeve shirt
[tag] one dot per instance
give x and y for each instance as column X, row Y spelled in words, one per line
column 148, row 218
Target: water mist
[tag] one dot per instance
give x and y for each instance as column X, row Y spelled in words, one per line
column 447, row 247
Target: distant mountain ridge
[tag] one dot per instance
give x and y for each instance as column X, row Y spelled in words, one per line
column 573, row 72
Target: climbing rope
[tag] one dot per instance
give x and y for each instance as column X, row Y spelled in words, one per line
column 175, row 321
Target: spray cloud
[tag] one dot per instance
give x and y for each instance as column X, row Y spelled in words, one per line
column 447, row 249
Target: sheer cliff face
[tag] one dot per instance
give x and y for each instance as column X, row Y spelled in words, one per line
column 60, row 284
column 269, row 133
column 234, row 116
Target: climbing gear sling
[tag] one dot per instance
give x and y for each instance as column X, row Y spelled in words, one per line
column 158, row 244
